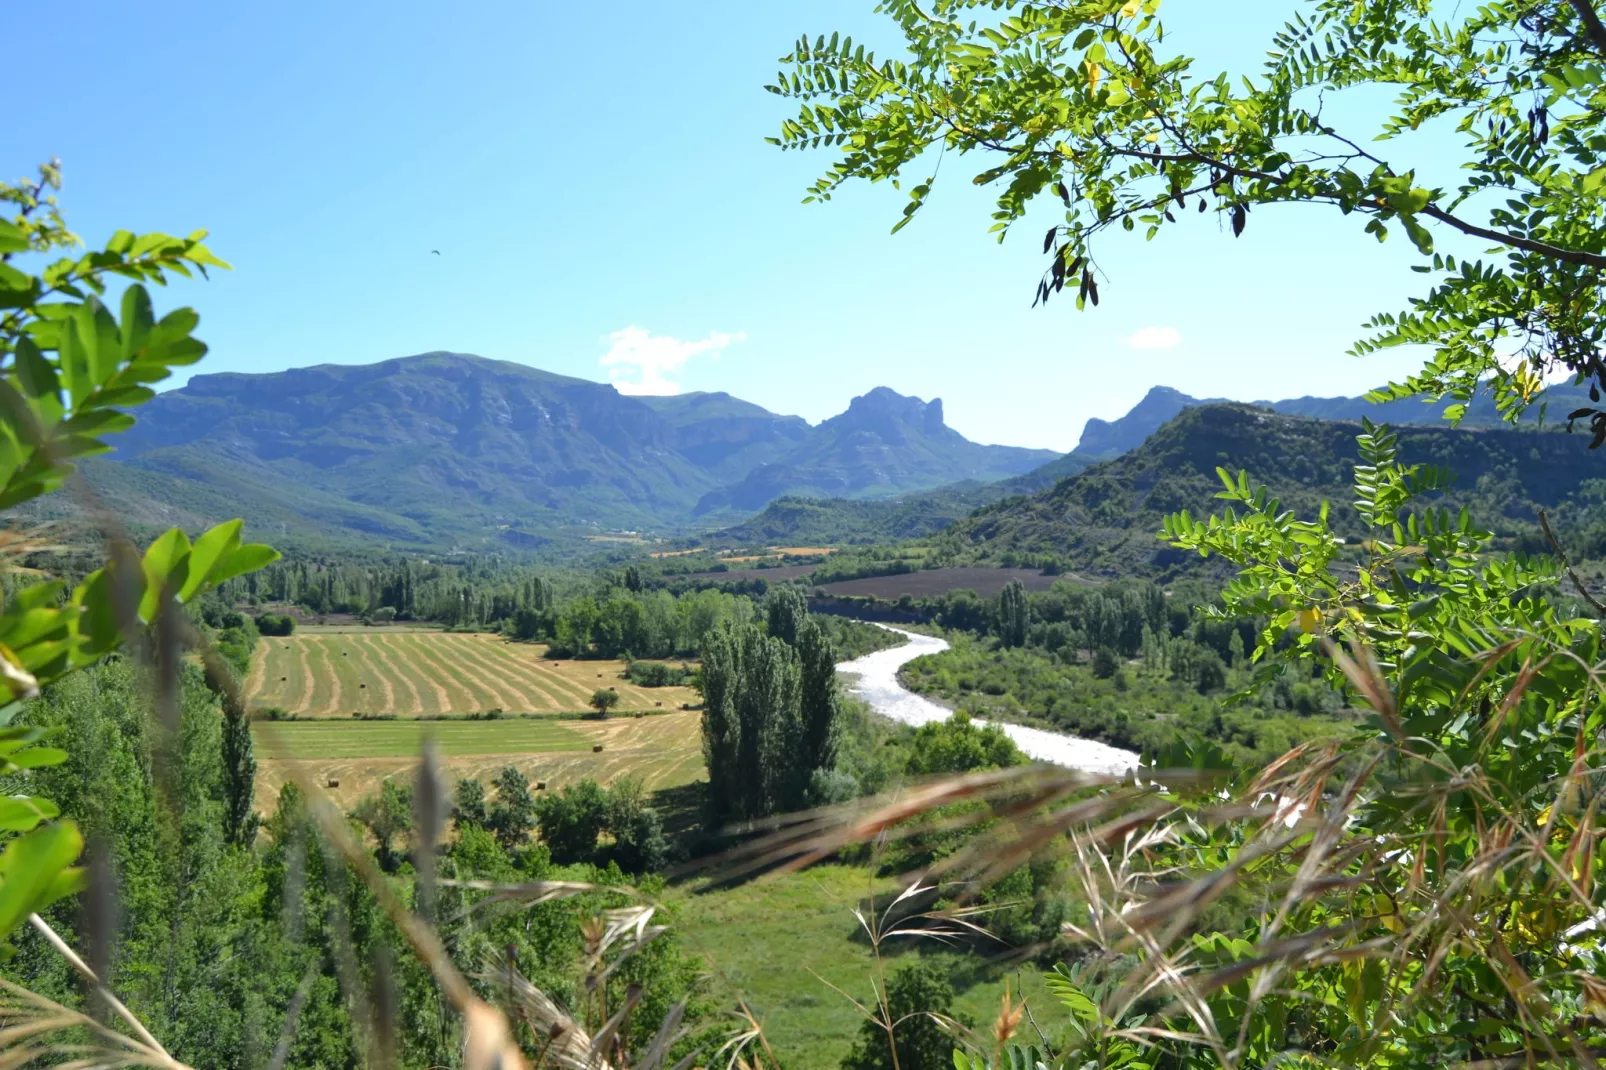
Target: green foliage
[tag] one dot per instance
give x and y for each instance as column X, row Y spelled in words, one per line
column 770, row 711
column 1456, row 826
column 656, row 674
column 276, row 624
column 751, row 723
column 604, row 699
column 468, row 803
column 1090, row 105
column 512, row 815
column 387, row 814
column 70, row 369
column 959, row 745
column 1013, row 614
column 914, row 995
column 571, row 820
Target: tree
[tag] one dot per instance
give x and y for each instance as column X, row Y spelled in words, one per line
column 1014, row 614
column 239, row 774
column 820, row 710
column 1089, row 103
column 752, row 724
column 914, row 996
column 468, row 803
column 387, row 814
column 785, row 610
column 604, row 699
column 639, row 843
column 512, row 815
column 571, row 820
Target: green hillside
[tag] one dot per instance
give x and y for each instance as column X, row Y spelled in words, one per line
column 1105, row 519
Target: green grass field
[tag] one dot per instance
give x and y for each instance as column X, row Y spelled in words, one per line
column 411, row 673
column 777, row 942
column 397, row 739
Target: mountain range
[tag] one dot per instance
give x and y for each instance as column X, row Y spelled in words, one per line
column 451, row 449
column 1104, row 519
column 813, row 521
column 1104, row 439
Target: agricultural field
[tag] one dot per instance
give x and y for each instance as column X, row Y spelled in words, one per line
column 348, row 759
column 926, row 583
column 339, row 672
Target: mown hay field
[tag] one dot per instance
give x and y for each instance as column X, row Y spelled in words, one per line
column 417, row 673
column 349, row 758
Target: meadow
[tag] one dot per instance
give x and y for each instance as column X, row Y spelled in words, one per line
column 806, row 921
column 414, row 673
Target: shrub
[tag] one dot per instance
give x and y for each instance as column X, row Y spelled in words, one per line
column 914, row 994
column 656, row 674
column 276, row 624
column 571, row 820
column 604, row 699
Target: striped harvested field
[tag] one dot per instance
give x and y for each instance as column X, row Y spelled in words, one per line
column 665, row 751
column 419, row 673
column 398, row 739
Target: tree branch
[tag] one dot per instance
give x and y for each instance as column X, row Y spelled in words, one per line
column 1592, row 24
column 1561, row 555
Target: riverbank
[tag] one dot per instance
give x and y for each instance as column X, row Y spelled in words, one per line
column 875, row 680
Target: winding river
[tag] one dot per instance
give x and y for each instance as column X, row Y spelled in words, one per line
column 877, row 683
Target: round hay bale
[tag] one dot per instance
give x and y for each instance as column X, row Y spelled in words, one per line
column 596, row 748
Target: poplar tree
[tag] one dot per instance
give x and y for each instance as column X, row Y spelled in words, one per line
column 1014, row 614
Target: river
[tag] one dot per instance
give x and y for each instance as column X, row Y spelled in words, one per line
column 877, row 683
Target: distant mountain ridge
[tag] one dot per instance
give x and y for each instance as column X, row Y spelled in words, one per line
column 883, row 445
column 453, row 449
column 1105, row 439
column 925, row 513
column 1105, row 519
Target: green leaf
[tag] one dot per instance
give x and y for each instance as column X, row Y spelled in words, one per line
column 247, row 558
column 216, row 545
column 162, row 563
column 34, row 873
column 19, row 813
column 12, row 239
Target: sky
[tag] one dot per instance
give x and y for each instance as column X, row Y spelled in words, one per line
column 597, row 185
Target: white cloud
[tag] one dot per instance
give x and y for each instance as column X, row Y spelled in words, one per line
column 640, row 362
column 1154, row 338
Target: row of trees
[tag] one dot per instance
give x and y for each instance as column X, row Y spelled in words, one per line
column 770, row 710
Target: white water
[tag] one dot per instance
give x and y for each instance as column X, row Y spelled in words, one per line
column 878, row 685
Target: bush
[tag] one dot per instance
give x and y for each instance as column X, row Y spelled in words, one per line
column 639, row 843
column 914, row 994
column 604, row 699
column 571, row 820
column 959, row 745
column 383, row 615
column 276, row 624
column 656, row 674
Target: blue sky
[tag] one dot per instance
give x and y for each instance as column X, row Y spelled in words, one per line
column 597, row 183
